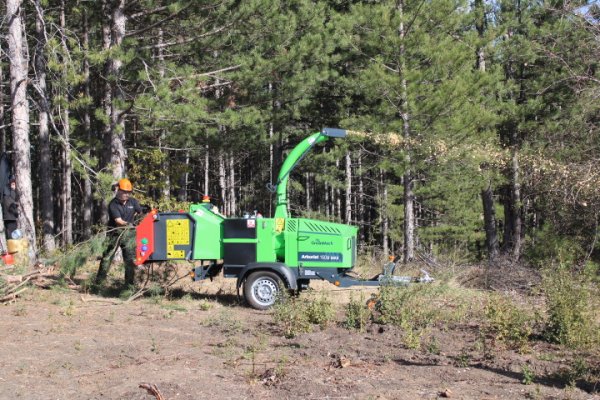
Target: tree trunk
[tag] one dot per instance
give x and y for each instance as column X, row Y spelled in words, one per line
column 409, row 219
column 480, row 25
column 87, row 126
column 232, row 199
column 46, row 200
column 515, row 187
column 206, row 172
column 118, row 151
column 348, row 213
column 327, row 203
column 385, row 223
column 307, row 190
column 3, row 122
column 223, row 184
column 338, row 197
column 489, row 218
column 183, row 183
column 20, row 120
column 67, row 206
column 107, row 98
column 166, row 192
column 360, row 202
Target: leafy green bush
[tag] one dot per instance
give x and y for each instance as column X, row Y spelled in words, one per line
column 508, row 323
column 291, row 315
column 320, row 311
column 357, row 314
column 572, row 302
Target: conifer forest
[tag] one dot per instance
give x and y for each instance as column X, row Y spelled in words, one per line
column 477, row 121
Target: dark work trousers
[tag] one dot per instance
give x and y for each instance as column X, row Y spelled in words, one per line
column 10, row 226
column 125, row 239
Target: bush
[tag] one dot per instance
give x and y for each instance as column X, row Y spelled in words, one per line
column 508, row 323
column 572, row 302
column 291, row 315
column 357, row 314
column 320, row 311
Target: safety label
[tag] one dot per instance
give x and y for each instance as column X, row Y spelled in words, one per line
column 178, row 234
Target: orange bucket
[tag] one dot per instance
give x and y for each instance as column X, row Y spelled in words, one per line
column 8, row 259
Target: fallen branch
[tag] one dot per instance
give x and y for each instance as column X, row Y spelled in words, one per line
column 12, row 296
column 153, row 390
column 93, row 299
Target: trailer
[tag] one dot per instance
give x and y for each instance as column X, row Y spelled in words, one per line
column 265, row 255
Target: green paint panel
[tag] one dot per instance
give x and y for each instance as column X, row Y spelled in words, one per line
column 319, row 244
column 265, row 233
column 208, row 242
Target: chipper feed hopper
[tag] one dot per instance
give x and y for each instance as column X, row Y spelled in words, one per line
column 266, row 255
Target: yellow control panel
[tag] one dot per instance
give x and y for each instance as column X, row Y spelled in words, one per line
column 178, row 234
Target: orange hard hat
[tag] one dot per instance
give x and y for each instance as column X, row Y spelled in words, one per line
column 125, row 184
column 206, row 199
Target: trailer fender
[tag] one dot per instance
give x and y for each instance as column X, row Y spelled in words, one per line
column 286, row 273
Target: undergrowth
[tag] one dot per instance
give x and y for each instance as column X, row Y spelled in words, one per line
column 572, row 307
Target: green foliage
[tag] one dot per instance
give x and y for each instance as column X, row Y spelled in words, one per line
column 547, row 246
column 73, row 259
column 291, row 314
column 528, row 375
column 357, row 314
column 572, row 302
column 320, row 311
column 578, row 370
column 508, row 323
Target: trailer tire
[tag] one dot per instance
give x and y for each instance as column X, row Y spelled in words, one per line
column 262, row 288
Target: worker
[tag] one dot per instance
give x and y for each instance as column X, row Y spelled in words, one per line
column 10, row 207
column 122, row 211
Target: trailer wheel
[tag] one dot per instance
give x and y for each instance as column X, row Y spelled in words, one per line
column 262, row 288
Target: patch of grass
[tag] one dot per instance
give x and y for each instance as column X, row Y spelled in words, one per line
column 433, row 346
column 227, row 323
column 417, row 308
column 463, row 359
column 20, row 311
column 578, row 370
column 173, row 307
column 69, row 310
column 205, row 305
column 528, row 375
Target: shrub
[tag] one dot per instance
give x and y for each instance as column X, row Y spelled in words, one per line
column 508, row 323
column 291, row 315
column 357, row 314
column 571, row 301
column 320, row 311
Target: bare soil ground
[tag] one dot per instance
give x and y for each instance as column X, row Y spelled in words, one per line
column 63, row 344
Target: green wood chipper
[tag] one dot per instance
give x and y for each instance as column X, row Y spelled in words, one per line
column 266, row 255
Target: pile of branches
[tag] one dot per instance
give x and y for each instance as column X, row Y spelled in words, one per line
column 12, row 286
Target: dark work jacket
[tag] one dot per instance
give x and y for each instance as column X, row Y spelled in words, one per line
column 126, row 211
column 10, row 205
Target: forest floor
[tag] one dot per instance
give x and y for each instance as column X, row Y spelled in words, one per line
column 63, row 344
